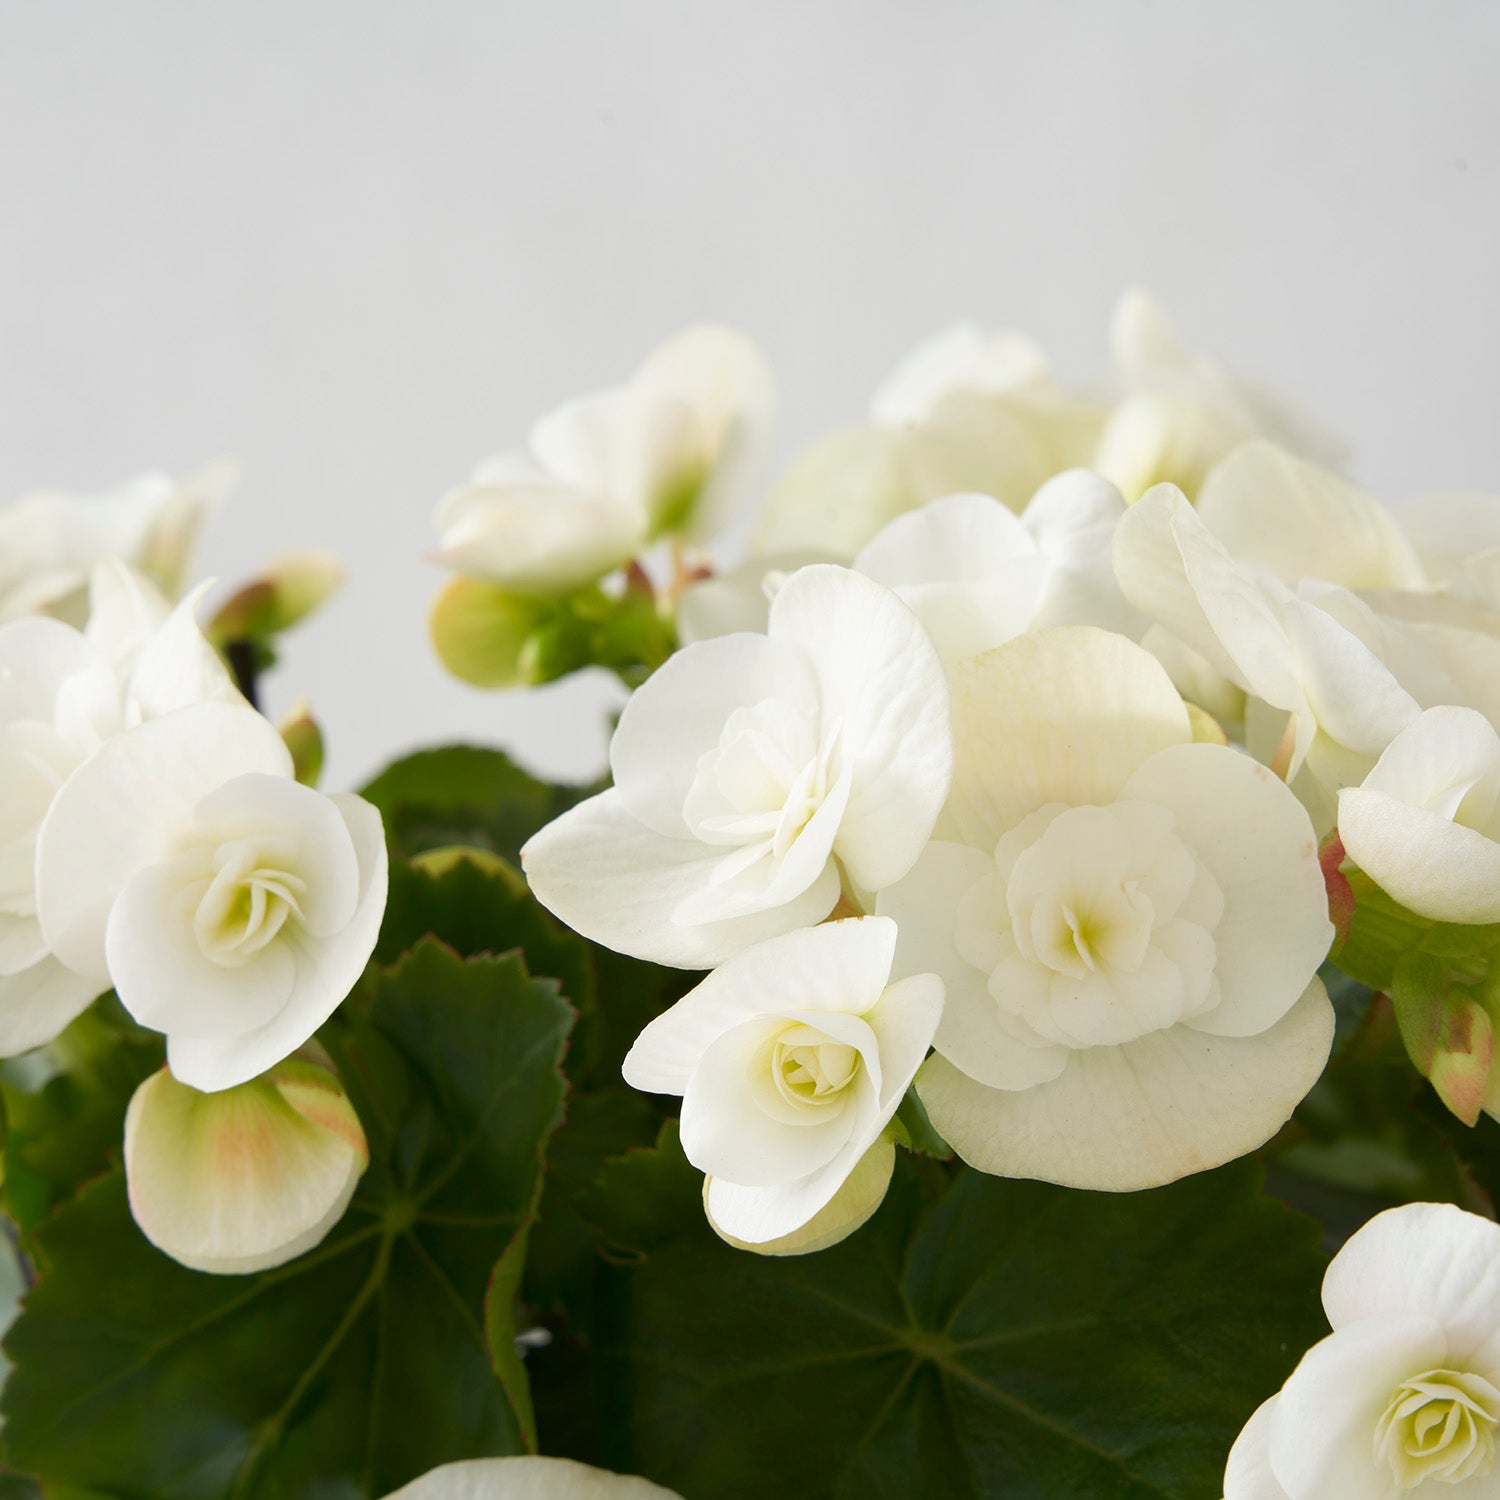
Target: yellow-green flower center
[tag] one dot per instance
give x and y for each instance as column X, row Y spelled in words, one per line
column 1439, row 1426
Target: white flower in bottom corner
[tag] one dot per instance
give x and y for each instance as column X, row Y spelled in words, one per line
column 791, row 1060
column 1128, row 925
column 1403, row 1396
column 529, row 1477
column 230, row 907
column 247, row 1178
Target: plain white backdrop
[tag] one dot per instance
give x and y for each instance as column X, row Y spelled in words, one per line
column 358, row 244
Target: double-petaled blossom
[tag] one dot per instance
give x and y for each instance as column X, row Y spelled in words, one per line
column 247, row 1178
column 1128, row 926
column 230, row 907
column 50, row 540
column 755, row 776
column 671, row 451
column 791, row 1060
column 528, row 1477
column 64, row 693
column 1403, row 1397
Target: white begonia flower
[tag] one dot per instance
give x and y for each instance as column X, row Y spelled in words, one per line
column 751, row 772
column 1181, row 412
column 1403, row 1396
column 231, row 908
column 50, row 541
column 959, row 360
column 671, row 451
column 63, row 693
column 1319, row 696
column 1128, row 926
column 977, row 574
column 1425, row 823
column 528, row 1477
column 791, row 1060
column 248, row 1178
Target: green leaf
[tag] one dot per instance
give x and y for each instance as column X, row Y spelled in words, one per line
column 1359, row 1143
column 1011, row 1340
column 66, row 1126
column 475, row 903
column 645, row 1198
column 365, row 1362
column 465, row 795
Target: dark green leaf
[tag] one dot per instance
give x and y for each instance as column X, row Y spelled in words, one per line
column 68, row 1129
column 476, row 904
column 1013, row 1341
column 1358, row 1142
column 464, row 795
column 365, row 1362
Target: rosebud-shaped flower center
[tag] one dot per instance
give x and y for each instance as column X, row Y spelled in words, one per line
column 1439, row 1426
column 758, row 790
column 244, row 898
column 809, row 1067
column 1097, row 926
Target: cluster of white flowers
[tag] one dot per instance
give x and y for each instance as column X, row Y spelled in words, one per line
column 1017, row 738
column 154, row 841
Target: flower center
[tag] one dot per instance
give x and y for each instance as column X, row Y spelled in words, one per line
column 1439, row 1426
column 757, row 794
column 1096, row 927
column 810, row 1068
column 246, row 899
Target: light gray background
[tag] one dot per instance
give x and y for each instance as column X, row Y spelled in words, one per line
column 359, row 245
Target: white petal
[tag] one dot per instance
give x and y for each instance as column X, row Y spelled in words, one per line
column 176, row 667
column 536, row 536
column 123, row 810
column 800, row 1218
column 727, row 1134
column 1256, row 841
column 678, row 714
column 1397, row 828
column 238, row 1182
column 960, row 538
column 1428, row 1258
column 527, row 1478
column 723, row 378
column 836, row 966
column 1277, row 512
column 1323, row 1426
column 961, row 358
column 1354, row 694
column 885, row 696
column 1436, row 868
column 739, row 600
column 1137, row 1116
column 925, row 906
column 1171, row 568
column 1063, row 715
column 619, row 883
column 1248, row 1475
column 39, row 1002
column 327, row 969
column 165, row 980
column 904, row 1023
